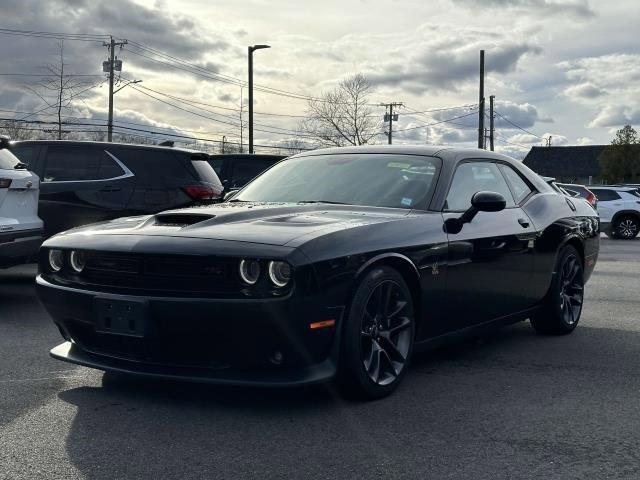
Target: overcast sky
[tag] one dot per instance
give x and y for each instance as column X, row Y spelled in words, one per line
column 566, row 68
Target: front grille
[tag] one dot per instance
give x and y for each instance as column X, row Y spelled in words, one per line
column 160, row 273
column 184, row 350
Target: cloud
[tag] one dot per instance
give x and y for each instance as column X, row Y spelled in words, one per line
column 584, row 90
column 576, row 8
column 616, row 115
column 446, row 58
column 525, row 115
column 607, row 82
column 584, row 141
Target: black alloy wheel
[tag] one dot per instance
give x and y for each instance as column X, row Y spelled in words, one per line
column 626, row 227
column 386, row 333
column 571, row 289
column 561, row 309
column 378, row 335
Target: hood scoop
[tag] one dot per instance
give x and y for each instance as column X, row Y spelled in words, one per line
column 180, row 219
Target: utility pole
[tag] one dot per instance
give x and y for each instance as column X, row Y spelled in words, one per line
column 481, row 103
column 224, row 139
column 242, row 120
column 390, row 117
column 111, row 66
column 491, row 129
column 250, row 51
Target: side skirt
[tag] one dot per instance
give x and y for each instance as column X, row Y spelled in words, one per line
column 451, row 337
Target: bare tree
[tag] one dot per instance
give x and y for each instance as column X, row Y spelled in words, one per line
column 17, row 130
column 342, row 116
column 135, row 139
column 58, row 89
column 293, row 146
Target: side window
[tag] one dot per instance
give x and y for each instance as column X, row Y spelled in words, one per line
column 245, row 170
column 154, row 166
column 216, row 163
column 26, row 154
column 109, row 168
column 606, row 195
column 472, row 177
column 519, row 187
column 68, row 164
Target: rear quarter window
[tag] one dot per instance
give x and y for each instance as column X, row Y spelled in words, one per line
column 604, row 195
column 154, row 166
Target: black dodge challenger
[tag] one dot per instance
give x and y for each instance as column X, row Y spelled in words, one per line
column 332, row 264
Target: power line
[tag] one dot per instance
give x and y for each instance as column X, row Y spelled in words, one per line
column 516, row 125
column 82, row 37
column 448, row 120
column 49, row 75
column 290, row 133
column 468, row 105
column 500, row 138
column 277, row 147
column 203, row 72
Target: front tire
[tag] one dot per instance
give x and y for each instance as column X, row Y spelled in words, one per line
column 626, row 227
column 378, row 336
column 562, row 307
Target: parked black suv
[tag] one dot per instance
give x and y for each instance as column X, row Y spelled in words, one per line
column 236, row 170
column 86, row 182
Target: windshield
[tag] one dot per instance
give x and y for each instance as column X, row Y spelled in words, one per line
column 8, row 160
column 377, row 180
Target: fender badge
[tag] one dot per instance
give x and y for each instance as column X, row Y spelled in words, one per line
column 434, row 269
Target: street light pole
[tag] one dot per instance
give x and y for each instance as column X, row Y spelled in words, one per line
column 250, row 51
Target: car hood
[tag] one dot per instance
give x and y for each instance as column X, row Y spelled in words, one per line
column 272, row 224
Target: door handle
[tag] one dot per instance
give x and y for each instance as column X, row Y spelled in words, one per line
column 110, row 189
column 524, row 223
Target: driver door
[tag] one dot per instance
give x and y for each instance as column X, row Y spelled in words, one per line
column 490, row 261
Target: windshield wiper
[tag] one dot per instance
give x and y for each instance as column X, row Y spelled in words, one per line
column 323, row 201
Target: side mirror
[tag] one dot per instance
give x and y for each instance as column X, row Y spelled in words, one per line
column 480, row 202
column 488, row 202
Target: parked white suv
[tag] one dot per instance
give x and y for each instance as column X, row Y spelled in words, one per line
column 619, row 209
column 21, row 232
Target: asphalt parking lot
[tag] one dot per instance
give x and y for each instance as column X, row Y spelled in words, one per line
column 512, row 404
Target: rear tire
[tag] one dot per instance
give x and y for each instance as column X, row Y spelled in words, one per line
column 626, row 227
column 378, row 336
column 562, row 307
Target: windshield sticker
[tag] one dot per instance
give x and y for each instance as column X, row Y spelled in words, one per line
column 398, row 165
column 406, row 201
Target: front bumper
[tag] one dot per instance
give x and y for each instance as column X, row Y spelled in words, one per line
column 230, row 341
column 19, row 245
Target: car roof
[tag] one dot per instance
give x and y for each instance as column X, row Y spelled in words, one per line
column 611, row 187
column 265, row 156
column 430, row 150
column 89, row 142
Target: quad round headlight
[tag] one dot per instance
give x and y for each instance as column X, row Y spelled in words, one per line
column 249, row 271
column 77, row 261
column 279, row 273
column 56, row 260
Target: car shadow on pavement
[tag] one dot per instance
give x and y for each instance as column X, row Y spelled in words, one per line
column 511, row 392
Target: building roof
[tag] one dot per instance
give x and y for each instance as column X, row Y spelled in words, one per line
column 569, row 161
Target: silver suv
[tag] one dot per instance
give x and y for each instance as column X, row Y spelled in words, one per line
column 21, row 231
column 619, row 209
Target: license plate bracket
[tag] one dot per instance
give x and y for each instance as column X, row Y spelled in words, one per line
column 121, row 317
